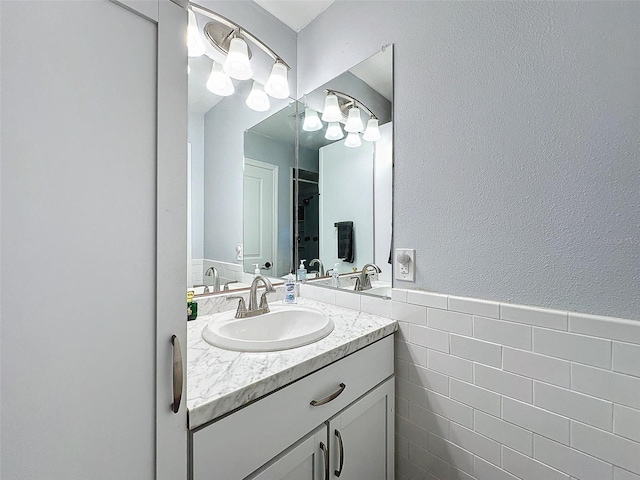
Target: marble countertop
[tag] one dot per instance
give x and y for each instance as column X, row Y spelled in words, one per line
column 219, row 381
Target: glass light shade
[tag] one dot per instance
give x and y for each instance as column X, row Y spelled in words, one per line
column 195, row 45
column 332, row 111
column 219, row 82
column 237, row 65
column 353, row 140
column 354, row 122
column 277, row 85
column 334, row 131
column 372, row 133
column 258, row 99
column 311, row 120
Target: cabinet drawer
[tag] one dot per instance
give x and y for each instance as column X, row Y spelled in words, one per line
column 238, row 444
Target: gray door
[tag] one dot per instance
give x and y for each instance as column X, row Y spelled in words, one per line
column 80, row 237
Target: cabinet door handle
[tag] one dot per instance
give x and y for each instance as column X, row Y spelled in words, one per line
column 178, row 374
column 333, row 396
column 325, row 454
column 341, row 445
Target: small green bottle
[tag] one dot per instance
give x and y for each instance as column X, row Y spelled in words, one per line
column 192, row 307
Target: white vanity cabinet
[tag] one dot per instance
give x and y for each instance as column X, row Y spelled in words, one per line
column 306, row 460
column 361, row 437
column 284, row 435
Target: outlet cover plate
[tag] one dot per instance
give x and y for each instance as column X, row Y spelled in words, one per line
column 405, row 264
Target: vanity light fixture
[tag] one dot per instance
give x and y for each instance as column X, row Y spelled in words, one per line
column 332, row 111
column 231, row 40
column 278, row 84
column 353, row 140
column 347, row 109
column 219, row 82
column 334, row 131
column 258, row 99
column 354, row 121
column 237, row 65
column 311, row 122
column 372, row 132
column 195, row 45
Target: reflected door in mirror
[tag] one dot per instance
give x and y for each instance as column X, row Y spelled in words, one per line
column 259, row 214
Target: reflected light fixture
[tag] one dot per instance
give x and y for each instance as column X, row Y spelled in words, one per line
column 353, row 140
column 372, row 132
column 258, row 99
column 195, row 45
column 354, row 122
column 334, row 131
column 237, row 65
column 311, row 120
column 332, row 111
column 278, row 85
column 219, row 82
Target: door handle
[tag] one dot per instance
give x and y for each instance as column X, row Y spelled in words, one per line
column 325, row 453
column 333, row 396
column 338, row 472
column 178, row 374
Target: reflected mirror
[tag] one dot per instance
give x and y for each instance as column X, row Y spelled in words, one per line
column 344, row 182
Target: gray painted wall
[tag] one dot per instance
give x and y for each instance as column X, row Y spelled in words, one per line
column 196, row 139
column 225, row 125
column 517, row 172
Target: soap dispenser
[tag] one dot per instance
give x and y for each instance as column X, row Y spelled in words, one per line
column 335, row 276
column 302, row 272
column 290, row 292
column 256, row 272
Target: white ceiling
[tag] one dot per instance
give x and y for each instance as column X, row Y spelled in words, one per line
column 297, row 14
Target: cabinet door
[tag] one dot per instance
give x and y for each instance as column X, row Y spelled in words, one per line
column 362, row 437
column 92, row 206
column 306, row 460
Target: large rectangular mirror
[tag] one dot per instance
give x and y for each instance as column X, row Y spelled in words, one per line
column 242, row 163
column 267, row 192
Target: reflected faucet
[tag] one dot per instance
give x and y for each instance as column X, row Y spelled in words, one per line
column 319, row 262
column 254, row 309
column 216, row 277
column 363, row 282
column 226, row 285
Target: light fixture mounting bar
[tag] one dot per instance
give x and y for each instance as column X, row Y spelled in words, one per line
column 351, row 100
column 232, row 27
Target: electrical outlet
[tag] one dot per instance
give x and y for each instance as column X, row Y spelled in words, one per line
column 405, row 264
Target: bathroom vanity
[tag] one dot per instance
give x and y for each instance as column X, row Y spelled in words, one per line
column 320, row 411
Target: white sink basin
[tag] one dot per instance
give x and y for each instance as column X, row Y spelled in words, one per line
column 382, row 289
column 285, row 326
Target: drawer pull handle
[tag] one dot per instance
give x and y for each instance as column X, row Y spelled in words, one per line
column 333, row 396
column 325, row 453
column 339, row 471
column 178, row 375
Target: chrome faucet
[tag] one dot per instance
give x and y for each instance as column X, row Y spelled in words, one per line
column 254, row 309
column 319, row 262
column 216, row 277
column 363, row 282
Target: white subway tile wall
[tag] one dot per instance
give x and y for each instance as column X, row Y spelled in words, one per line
column 492, row 391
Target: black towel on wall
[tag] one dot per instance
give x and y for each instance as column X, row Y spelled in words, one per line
column 345, row 241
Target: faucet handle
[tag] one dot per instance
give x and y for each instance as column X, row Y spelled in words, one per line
column 263, row 302
column 242, row 306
